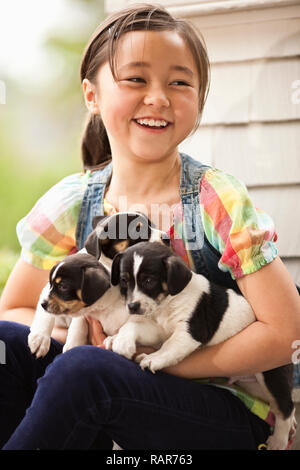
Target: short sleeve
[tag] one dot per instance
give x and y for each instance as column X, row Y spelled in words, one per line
column 47, row 233
column 243, row 234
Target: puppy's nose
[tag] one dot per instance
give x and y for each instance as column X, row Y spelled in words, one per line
column 134, row 307
column 44, row 304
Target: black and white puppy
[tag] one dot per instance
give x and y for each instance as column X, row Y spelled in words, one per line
column 114, row 233
column 80, row 284
column 177, row 310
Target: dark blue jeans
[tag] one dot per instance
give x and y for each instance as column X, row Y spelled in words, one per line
column 89, row 396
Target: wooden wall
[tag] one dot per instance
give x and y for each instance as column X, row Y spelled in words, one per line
column 250, row 126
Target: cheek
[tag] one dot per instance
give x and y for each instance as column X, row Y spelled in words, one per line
column 118, row 111
column 187, row 109
column 58, row 306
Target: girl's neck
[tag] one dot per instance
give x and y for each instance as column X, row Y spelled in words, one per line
column 143, row 182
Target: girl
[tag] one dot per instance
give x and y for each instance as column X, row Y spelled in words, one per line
column 145, row 79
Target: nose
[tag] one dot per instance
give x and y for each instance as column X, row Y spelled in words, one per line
column 44, row 304
column 134, row 307
column 157, row 97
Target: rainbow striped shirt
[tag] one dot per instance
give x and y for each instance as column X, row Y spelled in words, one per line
column 242, row 234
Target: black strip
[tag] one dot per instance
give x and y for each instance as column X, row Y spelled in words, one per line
column 208, row 314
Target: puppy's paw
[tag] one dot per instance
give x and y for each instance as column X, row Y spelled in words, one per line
column 69, row 345
column 73, row 342
column 152, row 362
column 277, row 442
column 39, row 344
column 109, row 341
column 124, row 346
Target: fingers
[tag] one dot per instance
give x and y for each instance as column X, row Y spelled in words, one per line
column 96, row 333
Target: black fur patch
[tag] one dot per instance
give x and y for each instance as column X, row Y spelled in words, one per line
column 208, row 314
column 279, row 381
column 131, row 228
column 80, row 272
column 152, row 272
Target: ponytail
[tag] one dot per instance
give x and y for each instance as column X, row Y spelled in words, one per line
column 95, row 148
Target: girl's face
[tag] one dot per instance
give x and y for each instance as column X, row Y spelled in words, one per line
column 153, row 104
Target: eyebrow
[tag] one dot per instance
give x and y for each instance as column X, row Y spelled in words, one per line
column 178, row 68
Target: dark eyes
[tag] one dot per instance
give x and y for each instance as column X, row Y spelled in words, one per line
column 123, row 282
column 63, row 286
column 146, row 282
column 135, row 80
column 142, row 80
column 149, row 282
column 180, row 83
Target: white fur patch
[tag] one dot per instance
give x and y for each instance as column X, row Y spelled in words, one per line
column 55, row 271
column 137, row 261
column 237, row 316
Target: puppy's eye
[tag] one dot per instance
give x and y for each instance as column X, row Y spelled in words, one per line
column 62, row 286
column 123, row 282
column 148, row 281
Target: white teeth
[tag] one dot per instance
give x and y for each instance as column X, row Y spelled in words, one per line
column 152, row 122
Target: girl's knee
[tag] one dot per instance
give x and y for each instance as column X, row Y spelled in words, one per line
column 90, row 368
column 13, row 340
column 11, row 332
column 82, row 363
column 78, row 375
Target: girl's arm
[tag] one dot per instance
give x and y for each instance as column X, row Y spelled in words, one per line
column 21, row 294
column 263, row 345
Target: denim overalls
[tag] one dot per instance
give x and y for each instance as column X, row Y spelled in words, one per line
column 205, row 256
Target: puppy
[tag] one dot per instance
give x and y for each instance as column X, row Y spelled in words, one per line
column 114, row 233
column 177, row 311
column 80, row 284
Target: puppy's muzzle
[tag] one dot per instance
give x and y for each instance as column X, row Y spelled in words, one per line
column 134, row 307
column 57, row 306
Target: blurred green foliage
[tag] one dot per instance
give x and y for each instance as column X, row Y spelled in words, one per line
column 8, row 259
column 40, row 130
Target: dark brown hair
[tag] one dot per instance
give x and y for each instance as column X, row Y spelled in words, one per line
column 102, row 47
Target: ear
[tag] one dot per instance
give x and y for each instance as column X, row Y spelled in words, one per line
column 90, row 97
column 94, row 284
column 166, row 240
column 52, row 271
column 92, row 245
column 115, row 270
column 178, row 274
column 97, row 219
column 150, row 223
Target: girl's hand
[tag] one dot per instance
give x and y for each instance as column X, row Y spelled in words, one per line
column 97, row 337
column 96, row 333
column 143, row 349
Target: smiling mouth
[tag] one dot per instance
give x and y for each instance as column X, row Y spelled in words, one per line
column 151, row 125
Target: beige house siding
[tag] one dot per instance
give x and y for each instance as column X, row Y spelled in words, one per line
column 251, row 123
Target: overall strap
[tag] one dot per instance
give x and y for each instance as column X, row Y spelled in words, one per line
column 190, row 179
column 92, row 203
column 204, row 256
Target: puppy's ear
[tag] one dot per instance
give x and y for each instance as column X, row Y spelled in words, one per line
column 92, row 245
column 94, row 284
column 178, row 274
column 115, row 270
column 150, row 223
column 97, row 219
column 52, row 271
column 166, row 240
